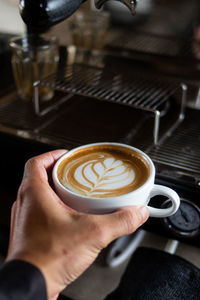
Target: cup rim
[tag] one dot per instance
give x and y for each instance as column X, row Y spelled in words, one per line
column 91, row 14
column 53, row 41
column 150, row 162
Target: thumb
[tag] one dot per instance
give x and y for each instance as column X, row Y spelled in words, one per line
column 124, row 221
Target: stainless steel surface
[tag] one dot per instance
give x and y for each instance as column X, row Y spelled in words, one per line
column 166, row 41
column 131, row 4
column 158, row 111
column 175, row 59
column 151, row 43
column 135, row 91
column 128, row 87
column 181, row 150
column 171, row 246
column 123, row 248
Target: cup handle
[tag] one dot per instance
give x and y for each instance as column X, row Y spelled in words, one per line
column 173, row 197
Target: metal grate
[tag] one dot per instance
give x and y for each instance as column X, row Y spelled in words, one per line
column 133, row 90
column 155, row 44
column 182, row 149
column 19, row 115
column 119, row 83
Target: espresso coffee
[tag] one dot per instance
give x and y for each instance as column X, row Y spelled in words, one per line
column 103, row 171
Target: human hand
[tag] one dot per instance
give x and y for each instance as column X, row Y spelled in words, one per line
column 58, row 240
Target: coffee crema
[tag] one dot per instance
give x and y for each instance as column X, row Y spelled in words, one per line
column 103, row 171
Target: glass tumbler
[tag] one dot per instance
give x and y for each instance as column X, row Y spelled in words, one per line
column 33, row 59
column 89, row 29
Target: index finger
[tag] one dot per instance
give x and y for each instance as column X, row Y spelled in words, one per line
column 39, row 166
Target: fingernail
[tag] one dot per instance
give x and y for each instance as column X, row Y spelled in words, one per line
column 144, row 212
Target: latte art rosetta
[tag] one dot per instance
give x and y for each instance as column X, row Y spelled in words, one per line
column 103, row 177
column 100, row 174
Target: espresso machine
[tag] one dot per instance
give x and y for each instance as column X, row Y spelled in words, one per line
column 41, row 15
column 144, row 84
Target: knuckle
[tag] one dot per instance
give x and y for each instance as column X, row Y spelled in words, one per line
column 98, row 230
column 32, row 162
column 26, row 187
column 132, row 219
column 96, row 227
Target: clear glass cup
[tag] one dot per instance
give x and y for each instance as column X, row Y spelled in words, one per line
column 33, row 59
column 89, row 29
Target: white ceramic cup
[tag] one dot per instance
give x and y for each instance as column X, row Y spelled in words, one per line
column 140, row 196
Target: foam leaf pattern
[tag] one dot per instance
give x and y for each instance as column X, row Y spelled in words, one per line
column 96, row 177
